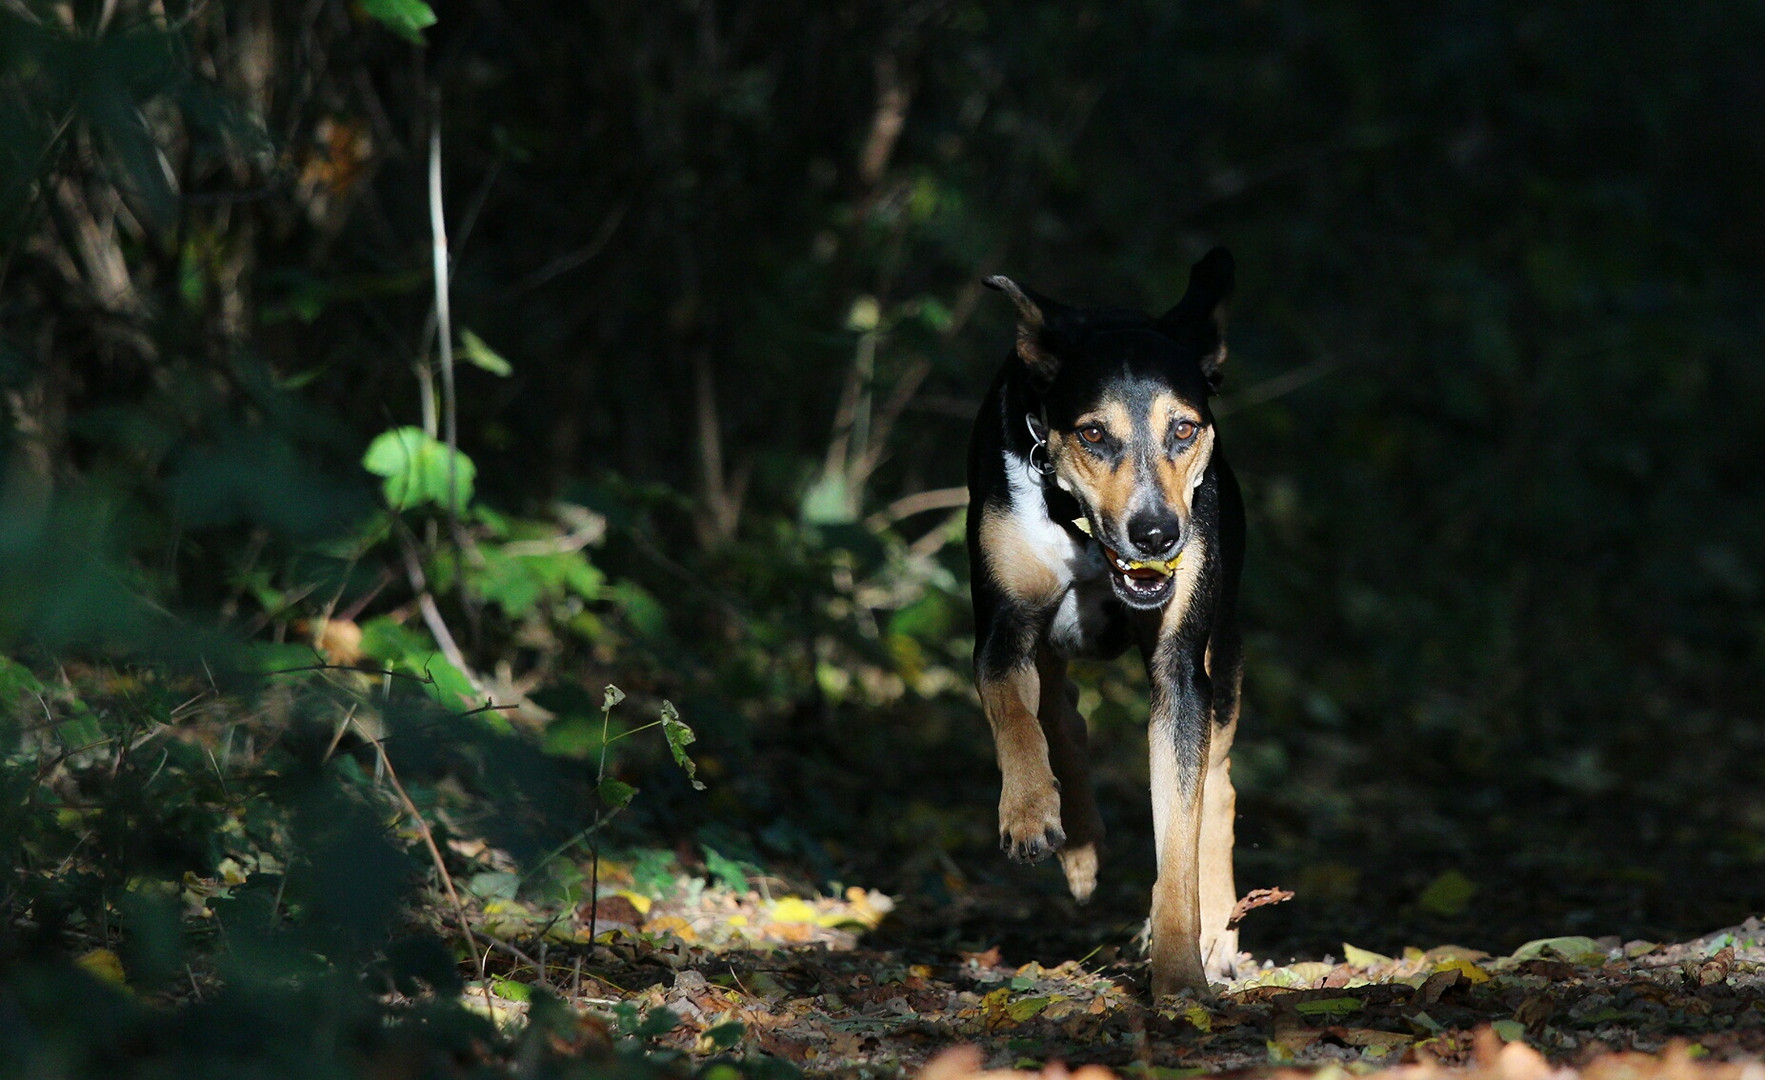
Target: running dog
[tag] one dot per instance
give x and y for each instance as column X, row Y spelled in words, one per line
column 1102, row 514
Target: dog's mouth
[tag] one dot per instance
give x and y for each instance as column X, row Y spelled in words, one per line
column 1142, row 583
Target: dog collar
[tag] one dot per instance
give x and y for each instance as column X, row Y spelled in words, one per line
column 1038, row 428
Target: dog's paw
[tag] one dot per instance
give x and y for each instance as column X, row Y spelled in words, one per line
column 1080, row 864
column 1029, row 824
column 1220, row 956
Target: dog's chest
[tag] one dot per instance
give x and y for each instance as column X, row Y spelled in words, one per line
column 1086, row 619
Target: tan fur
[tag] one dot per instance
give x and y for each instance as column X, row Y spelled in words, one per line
column 1067, row 737
column 1176, row 908
column 1179, row 930
column 1029, row 799
column 1177, row 476
column 1218, row 894
column 1107, row 490
column 1020, row 565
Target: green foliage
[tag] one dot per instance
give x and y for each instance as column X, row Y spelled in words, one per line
column 406, row 18
column 480, row 355
column 679, row 738
column 420, row 469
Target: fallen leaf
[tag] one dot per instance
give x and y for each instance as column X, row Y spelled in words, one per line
column 104, row 964
column 1362, row 958
column 1026, row 1008
column 1335, row 1006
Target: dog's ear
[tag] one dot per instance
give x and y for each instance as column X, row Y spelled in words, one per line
column 1199, row 319
column 1041, row 323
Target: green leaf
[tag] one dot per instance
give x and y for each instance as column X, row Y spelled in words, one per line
column 656, row 1022
column 1447, row 894
column 419, row 469
column 510, row 990
column 729, row 873
column 1576, row 950
column 1026, row 1008
column 1509, row 1030
column 494, row 885
column 1336, row 1006
column 615, row 795
column 726, row 1035
column 679, row 737
column 483, row 356
column 406, row 18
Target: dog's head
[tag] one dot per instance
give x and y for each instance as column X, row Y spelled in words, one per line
column 1123, row 407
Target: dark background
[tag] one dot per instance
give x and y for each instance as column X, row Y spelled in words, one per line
column 1494, row 396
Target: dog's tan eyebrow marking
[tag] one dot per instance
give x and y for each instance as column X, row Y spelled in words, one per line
column 1106, row 486
column 1167, row 411
column 1111, row 415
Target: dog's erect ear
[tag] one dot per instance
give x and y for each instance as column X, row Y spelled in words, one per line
column 1199, row 319
column 1039, row 323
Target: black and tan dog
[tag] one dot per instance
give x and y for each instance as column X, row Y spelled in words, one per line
column 1103, row 514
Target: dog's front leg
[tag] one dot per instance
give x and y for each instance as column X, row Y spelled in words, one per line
column 1029, row 800
column 1219, row 811
column 1179, row 734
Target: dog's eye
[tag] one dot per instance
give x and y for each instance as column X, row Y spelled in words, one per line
column 1091, row 433
column 1185, row 430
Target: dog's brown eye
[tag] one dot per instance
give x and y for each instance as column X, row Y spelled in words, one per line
column 1091, row 433
column 1185, row 429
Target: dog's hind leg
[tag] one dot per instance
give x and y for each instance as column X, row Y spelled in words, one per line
column 1067, row 738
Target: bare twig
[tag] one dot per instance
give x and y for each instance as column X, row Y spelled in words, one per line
column 426, row 679
column 569, row 261
column 447, row 881
column 432, row 614
column 443, row 313
column 917, row 503
column 1270, row 389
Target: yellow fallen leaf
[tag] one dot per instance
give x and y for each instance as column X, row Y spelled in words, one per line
column 1362, row 958
column 794, row 910
column 105, row 965
column 1463, row 967
column 638, row 900
column 671, row 924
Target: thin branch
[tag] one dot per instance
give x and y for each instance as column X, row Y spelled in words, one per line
column 569, row 261
column 447, row 881
column 426, row 679
column 444, row 638
column 917, row 503
column 1270, row 389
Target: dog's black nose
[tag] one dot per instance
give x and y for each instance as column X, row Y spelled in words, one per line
column 1154, row 534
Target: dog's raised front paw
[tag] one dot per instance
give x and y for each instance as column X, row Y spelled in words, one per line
column 1029, row 824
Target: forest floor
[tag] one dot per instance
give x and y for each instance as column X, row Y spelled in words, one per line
column 860, row 985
